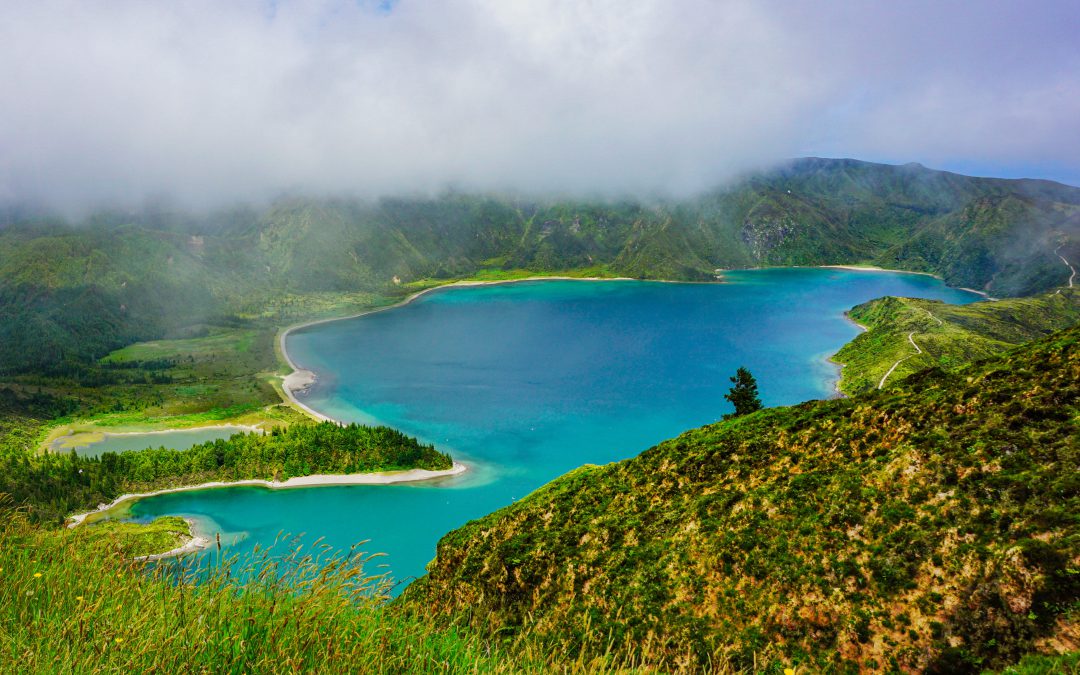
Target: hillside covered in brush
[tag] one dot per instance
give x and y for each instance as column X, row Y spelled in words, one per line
column 906, row 335
column 932, row 525
column 74, row 293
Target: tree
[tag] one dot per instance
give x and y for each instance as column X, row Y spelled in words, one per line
column 744, row 394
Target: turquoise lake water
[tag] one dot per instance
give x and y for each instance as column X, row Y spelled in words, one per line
column 181, row 439
column 526, row 381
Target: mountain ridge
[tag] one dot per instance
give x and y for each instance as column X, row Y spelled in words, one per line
column 123, row 277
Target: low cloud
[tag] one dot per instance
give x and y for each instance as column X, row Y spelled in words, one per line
column 216, row 102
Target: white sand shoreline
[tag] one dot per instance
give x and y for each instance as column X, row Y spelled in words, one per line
column 871, row 268
column 315, row 480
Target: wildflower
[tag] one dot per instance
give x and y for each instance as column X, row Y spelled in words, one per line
column 37, row 575
column 119, row 640
column 789, row 671
column 78, row 598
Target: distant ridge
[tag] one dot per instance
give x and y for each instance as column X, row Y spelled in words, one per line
column 120, row 277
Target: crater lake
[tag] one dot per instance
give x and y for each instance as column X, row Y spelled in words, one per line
column 525, row 381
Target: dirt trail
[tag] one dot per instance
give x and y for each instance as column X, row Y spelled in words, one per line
column 911, row 339
column 1072, row 269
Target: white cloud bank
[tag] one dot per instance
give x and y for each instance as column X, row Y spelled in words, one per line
column 213, row 102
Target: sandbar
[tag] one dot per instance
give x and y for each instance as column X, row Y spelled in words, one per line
column 315, row 480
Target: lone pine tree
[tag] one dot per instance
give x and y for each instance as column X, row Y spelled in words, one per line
column 743, row 394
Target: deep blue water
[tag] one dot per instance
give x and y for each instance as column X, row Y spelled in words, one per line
column 526, row 381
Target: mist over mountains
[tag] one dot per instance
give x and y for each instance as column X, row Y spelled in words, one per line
column 73, row 293
column 210, row 104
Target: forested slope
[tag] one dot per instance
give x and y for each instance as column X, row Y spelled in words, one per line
column 53, row 485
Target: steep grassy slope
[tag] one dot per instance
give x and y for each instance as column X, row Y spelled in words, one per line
column 124, row 277
column 934, row 525
column 947, row 335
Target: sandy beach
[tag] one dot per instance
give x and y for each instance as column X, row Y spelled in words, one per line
column 871, row 268
column 379, row 478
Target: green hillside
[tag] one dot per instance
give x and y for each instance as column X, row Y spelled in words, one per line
column 123, row 277
column 947, row 336
column 932, row 525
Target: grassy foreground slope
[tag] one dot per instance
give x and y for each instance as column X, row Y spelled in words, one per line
column 70, row 601
column 933, row 525
column 947, row 335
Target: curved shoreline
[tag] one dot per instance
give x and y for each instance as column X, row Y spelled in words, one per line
column 871, row 268
column 301, row 379
column 314, row 480
column 840, row 374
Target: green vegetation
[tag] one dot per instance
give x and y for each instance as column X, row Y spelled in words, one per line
column 743, row 394
column 75, row 601
column 495, row 274
column 131, row 540
column 1039, row 664
column 221, row 375
column 71, row 295
column 948, row 336
column 55, row 485
column 69, row 602
column 932, row 525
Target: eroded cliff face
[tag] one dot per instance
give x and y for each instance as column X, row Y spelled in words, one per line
column 934, row 526
column 765, row 232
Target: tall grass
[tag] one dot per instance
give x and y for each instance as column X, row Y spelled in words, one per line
column 72, row 602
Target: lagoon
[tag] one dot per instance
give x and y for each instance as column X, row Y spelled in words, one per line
column 176, row 439
column 526, row 381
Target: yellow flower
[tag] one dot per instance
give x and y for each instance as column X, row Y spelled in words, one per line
column 119, row 640
column 79, row 598
column 789, row 671
column 37, row 575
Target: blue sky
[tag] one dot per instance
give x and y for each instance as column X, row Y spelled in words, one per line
column 214, row 102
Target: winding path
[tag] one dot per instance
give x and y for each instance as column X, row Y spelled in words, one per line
column 911, row 339
column 1067, row 264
